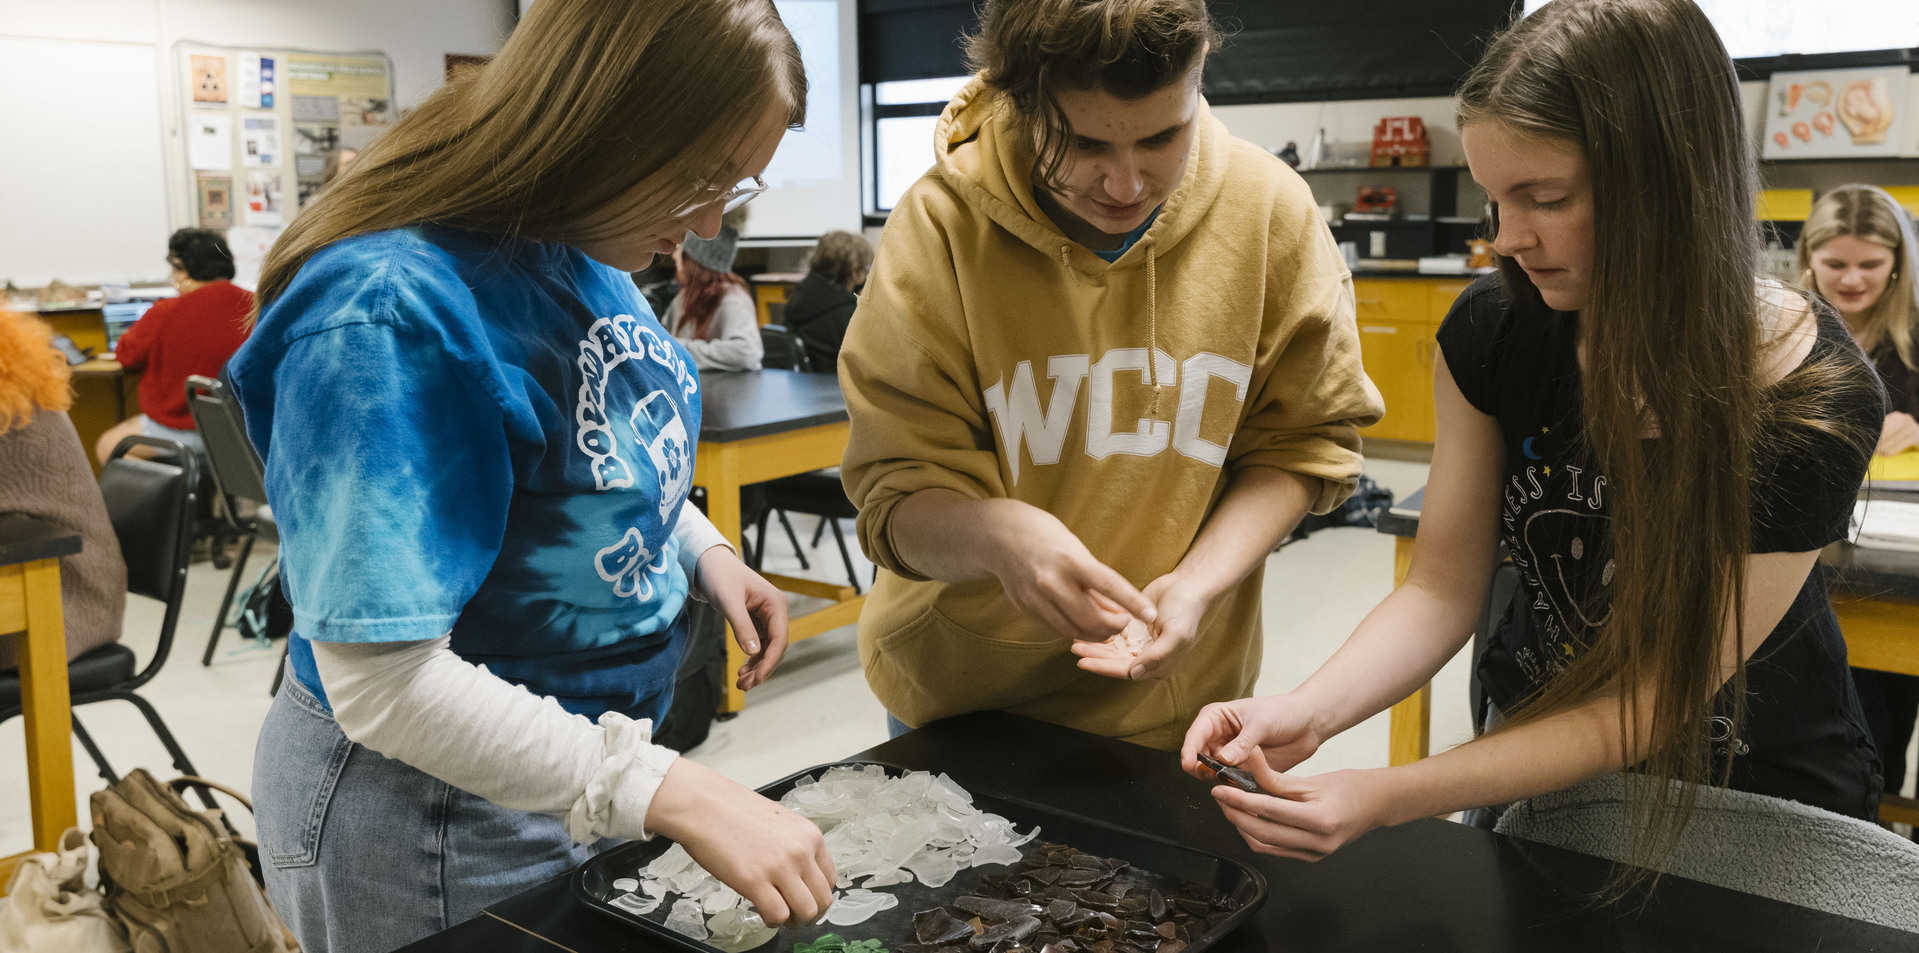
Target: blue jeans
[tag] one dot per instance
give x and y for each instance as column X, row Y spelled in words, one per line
column 896, row 727
column 364, row 854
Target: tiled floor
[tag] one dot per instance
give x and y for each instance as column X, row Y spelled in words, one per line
column 816, row 709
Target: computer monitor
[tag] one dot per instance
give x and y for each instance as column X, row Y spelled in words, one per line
column 120, row 317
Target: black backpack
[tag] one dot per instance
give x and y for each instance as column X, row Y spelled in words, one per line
column 265, row 612
column 1369, row 500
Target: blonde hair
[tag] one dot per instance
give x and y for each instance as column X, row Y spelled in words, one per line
column 1031, row 49
column 591, row 105
column 841, row 256
column 1869, row 214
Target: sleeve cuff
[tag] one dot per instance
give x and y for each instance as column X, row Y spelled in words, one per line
column 621, row 791
column 696, row 534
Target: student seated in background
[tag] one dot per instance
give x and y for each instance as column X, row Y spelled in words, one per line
column 44, row 474
column 1857, row 250
column 713, row 315
column 817, row 311
column 179, row 337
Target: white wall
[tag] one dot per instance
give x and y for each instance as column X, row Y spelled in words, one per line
column 84, row 236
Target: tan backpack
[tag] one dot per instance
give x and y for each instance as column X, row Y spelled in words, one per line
column 175, row 878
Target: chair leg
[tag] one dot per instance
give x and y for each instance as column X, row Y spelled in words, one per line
column 180, row 759
column 845, row 556
column 819, row 529
column 93, row 751
column 226, row 601
column 757, row 552
column 793, row 538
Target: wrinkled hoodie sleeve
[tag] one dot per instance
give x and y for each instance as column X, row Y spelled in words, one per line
column 1304, row 415
column 911, row 392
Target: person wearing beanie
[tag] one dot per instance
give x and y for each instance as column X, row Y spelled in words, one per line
column 44, row 474
column 713, row 315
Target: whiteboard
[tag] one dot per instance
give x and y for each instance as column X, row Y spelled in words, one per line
column 83, row 185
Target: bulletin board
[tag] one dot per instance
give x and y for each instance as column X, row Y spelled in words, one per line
column 259, row 125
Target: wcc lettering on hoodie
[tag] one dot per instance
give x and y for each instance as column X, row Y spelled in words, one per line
column 1016, row 408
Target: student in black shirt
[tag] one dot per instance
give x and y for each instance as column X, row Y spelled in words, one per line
column 1662, row 440
column 821, row 307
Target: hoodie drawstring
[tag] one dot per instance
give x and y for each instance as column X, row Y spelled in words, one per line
column 1152, row 324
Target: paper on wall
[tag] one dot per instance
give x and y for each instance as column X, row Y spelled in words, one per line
column 210, row 141
column 250, row 246
column 207, row 78
column 263, row 199
column 260, row 141
column 216, row 201
column 256, row 81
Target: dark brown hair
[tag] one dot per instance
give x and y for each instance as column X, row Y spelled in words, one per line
column 1031, row 49
column 1674, row 349
column 592, row 107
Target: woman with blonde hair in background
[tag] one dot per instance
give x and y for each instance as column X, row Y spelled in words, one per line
column 1857, row 250
column 1662, row 440
column 478, row 446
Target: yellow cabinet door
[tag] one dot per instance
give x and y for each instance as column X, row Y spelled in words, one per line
column 1398, row 357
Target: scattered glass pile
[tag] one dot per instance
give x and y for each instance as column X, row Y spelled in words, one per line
column 881, row 831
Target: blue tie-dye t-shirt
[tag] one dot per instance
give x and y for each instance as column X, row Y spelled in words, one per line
column 480, row 436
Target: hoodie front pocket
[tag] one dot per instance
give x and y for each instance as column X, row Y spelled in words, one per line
column 932, row 667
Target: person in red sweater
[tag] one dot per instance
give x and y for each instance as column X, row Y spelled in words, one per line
column 179, row 337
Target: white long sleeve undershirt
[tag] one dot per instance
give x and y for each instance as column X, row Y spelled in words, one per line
column 419, row 703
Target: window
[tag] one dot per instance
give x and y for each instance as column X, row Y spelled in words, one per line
column 901, row 117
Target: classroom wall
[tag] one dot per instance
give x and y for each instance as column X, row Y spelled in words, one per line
column 94, row 200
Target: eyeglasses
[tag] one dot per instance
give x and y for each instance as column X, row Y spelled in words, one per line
column 728, row 199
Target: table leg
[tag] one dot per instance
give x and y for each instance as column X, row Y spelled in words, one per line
column 718, row 469
column 1410, row 735
column 48, row 713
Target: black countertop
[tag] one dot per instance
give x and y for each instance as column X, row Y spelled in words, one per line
column 1426, row 885
column 24, row 539
column 737, row 405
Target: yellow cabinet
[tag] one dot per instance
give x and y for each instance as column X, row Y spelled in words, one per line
column 1398, row 322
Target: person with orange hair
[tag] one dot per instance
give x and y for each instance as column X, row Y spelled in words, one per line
column 44, row 474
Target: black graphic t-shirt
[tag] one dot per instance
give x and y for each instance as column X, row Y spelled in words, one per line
column 1804, row 737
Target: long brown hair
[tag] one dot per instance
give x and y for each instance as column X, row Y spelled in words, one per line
column 590, row 106
column 701, row 289
column 1674, row 346
column 1867, row 213
column 1031, row 49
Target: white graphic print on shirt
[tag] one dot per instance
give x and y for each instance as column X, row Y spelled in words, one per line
column 653, row 425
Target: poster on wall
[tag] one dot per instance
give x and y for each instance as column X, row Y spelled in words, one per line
column 250, row 246
column 260, row 141
column 1836, row 114
column 207, row 78
column 216, row 201
column 311, row 146
column 263, row 199
column 358, row 86
column 256, row 81
column 210, row 141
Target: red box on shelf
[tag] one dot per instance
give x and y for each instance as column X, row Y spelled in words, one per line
column 1400, row 141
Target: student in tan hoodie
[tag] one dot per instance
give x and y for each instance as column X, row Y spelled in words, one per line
column 1089, row 229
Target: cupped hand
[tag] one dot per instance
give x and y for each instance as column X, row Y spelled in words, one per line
column 1271, row 734
column 1901, row 433
column 1052, row 576
column 773, row 857
column 1142, row 651
column 1305, row 818
column 754, row 609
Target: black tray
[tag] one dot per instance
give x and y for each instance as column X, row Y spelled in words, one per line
column 592, row 883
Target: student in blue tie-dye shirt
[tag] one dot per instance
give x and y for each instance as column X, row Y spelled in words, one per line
column 478, row 444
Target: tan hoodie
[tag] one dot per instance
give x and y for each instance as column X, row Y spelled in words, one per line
column 994, row 356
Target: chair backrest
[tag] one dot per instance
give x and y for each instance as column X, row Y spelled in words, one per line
column 783, row 349
column 152, row 505
column 237, row 471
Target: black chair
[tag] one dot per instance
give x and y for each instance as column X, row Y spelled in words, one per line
column 151, row 504
column 239, row 478
column 783, row 350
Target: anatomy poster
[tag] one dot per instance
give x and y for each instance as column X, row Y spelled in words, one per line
column 1834, row 114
